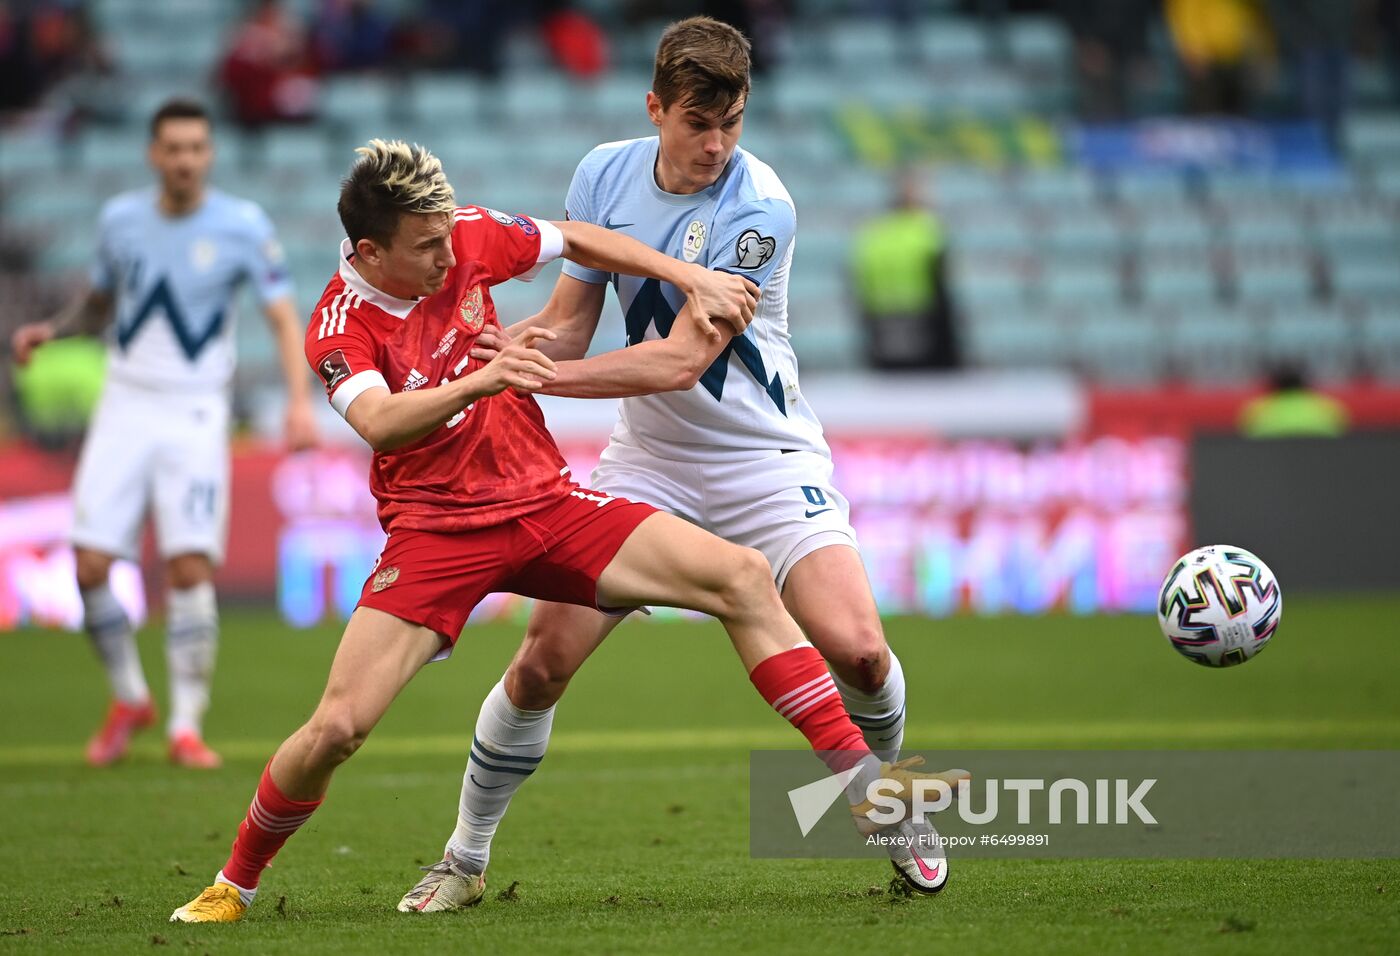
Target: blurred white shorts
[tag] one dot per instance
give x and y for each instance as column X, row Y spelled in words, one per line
column 783, row 505
column 159, row 453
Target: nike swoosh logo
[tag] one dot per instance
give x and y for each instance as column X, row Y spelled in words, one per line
column 483, row 786
column 927, row 874
column 617, row 225
column 819, row 511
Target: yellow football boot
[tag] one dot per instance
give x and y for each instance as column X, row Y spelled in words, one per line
column 219, row 903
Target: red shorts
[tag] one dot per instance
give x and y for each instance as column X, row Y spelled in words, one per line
column 554, row 554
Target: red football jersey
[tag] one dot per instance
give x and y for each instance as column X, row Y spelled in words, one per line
column 495, row 460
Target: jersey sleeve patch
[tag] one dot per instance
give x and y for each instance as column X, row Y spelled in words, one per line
column 265, row 262
column 343, row 358
column 505, row 245
column 333, row 369
column 756, row 240
column 752, row 250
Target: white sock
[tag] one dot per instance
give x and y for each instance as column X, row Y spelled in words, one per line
column 191, row 644
column 507, row 747
column 107, row 625
column 245, row 895
column 879, row 714
column 868, row 771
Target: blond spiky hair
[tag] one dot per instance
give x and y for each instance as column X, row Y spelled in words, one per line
column 391, row 178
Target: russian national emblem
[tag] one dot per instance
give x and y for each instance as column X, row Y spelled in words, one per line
column 473, row 310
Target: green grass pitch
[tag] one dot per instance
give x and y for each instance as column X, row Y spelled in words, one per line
column 632, row 838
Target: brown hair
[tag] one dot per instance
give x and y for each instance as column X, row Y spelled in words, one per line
column 702, row 64
column 391, row 178
column 176, row 109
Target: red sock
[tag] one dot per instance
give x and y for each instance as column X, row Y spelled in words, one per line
column 272, row 818
column 798, row 686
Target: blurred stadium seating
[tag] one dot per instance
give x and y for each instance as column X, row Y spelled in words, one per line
column 1131, row 274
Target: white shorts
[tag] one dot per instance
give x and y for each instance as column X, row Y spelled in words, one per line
column 159, row 452
column 783, row 504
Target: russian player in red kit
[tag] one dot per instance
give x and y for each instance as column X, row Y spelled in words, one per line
column 474, row 495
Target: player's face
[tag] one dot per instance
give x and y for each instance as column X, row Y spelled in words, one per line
column 181, row 154
column 417, row 261
column 695, row 145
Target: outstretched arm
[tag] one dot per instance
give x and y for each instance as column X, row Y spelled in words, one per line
column 719, row 296
column 674, row 363
column 389, row 420
column 300, row 425
column 572, row 314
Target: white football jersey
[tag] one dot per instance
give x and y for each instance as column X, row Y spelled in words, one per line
column 748, row 401
column 174, row 280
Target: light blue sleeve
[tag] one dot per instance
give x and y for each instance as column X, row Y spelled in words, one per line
column 578, row 206
column 103, row 274
column 265, row 264
column 755, row 239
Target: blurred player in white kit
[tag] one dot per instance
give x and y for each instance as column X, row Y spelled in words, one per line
column 170, row 259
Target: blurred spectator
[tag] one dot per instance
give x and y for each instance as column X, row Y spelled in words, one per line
column 86, row 90
column 1314, row 38
column 353, row 35
column 46, row 42
column 1292, row 410
column 898, row 264
column 268, row 73
column 19, row 82
column 1221, row 43
column 1387, row 18
column 578, row 44
column 1110, row 52
column 473, row 35
column 464, row 35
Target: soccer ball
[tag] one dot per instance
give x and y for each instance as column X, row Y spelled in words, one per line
column 1219, row 605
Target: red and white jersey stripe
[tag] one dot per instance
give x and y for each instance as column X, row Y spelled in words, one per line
column 333, row 315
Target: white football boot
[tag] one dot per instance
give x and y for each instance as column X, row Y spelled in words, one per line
column 918, row 856
column 915, row 850
column 446, row 887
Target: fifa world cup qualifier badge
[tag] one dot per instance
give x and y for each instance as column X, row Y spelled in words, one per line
column 383, row 578
column 473, row 309
column 753, row 249
column 333, row 369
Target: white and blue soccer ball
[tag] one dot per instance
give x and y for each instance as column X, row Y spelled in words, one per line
column 1219, row 605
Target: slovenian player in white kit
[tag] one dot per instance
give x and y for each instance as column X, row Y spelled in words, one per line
column 716, row 431
column 170, row 260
